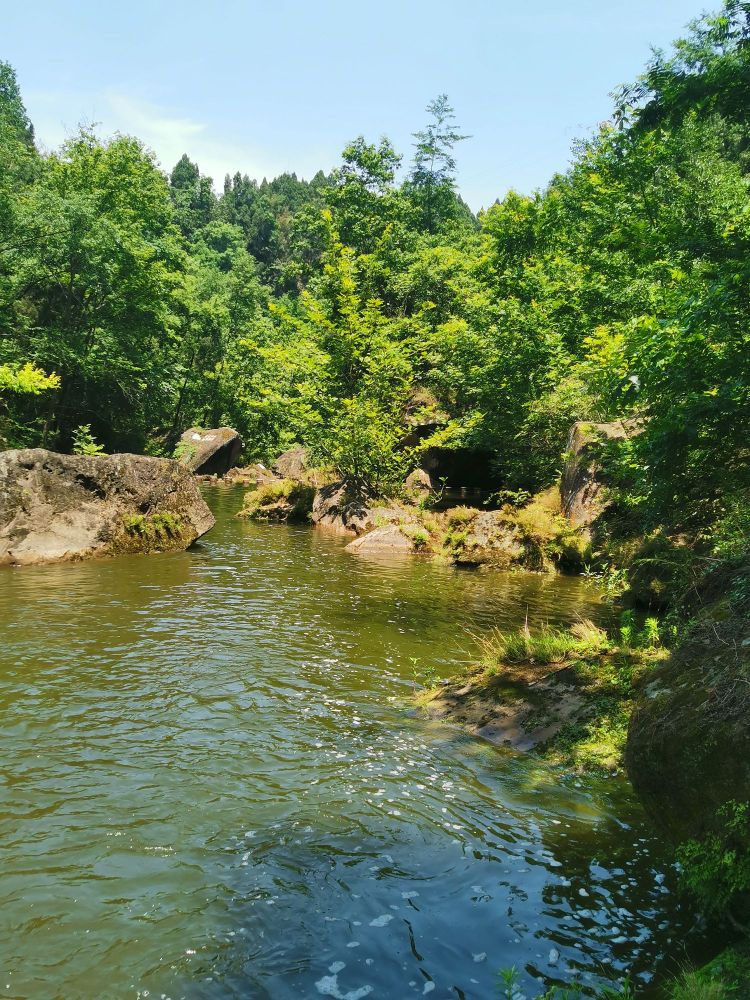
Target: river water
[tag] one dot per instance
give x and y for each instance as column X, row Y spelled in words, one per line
column 211, row 787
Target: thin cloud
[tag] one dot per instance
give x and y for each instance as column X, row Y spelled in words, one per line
column 168, row 135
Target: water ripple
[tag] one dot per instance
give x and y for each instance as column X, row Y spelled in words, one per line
column 210, row 788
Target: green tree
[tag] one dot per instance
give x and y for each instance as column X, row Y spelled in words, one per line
column 433, row 175
column 100, row 265
column 194, row 201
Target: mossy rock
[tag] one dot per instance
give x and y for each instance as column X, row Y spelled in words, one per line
column 68, row 507
column 285, row 500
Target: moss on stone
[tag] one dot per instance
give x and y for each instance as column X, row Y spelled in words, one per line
column 285, row 500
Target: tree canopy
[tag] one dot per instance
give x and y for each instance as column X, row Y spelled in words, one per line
column 326, row 311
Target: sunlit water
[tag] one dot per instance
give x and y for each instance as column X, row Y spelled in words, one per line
column 211, row 787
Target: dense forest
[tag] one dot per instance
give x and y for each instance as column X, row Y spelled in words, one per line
column 322, row 312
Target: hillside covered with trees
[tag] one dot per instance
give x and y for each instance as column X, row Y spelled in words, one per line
column 320, row 312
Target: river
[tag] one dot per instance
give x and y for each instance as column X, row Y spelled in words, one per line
column 212, row 788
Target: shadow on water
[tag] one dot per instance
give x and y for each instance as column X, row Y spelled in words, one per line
column 211, row 788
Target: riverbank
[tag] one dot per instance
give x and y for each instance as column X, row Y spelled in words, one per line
column 533, row 536
column 565, row 695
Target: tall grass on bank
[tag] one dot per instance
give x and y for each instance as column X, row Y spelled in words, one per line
column 548, row 645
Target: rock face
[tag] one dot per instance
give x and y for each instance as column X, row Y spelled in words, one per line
column 582, row 488
column 336, row 509
column 291, row 464
column 418, row 482
column 67, row 507
column 209, row 453
column 490, row 539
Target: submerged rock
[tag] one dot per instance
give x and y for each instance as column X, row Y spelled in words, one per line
column 209, row 452
column 583, row 484
column 522, row 707
column 67, row 507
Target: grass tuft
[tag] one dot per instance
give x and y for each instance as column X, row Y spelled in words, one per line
column 548, row 645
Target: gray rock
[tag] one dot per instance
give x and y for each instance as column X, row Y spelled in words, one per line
column 336, row 508
column 209, row 452
column 255, row 474
column 388, row 540
column 418, row 482
column 492, row 540
column 55, row 508
column 292, row 464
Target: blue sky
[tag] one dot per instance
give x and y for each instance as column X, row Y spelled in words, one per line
column 263, row 86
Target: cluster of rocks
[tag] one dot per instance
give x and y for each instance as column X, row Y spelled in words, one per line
column 55, row 507
column 494, row 538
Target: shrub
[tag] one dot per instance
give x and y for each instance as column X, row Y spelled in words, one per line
column 84, row 442
column 549, row 645
column 731, row 536
column 184, row 452
column 455, row 541
column 284, row 499
column 716, row 869
column 419, row 537
column 694, row 986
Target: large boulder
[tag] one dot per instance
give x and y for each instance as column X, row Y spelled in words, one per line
column 335, row 507
column 209, row 452
column 489, row 539
column 292, row 464
column 418, row 483
column 67, row 507
column 583, row 484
